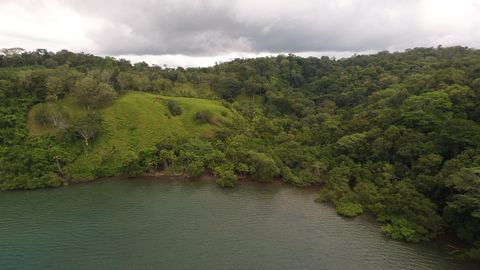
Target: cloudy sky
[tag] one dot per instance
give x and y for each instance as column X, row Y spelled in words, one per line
column 202, row 32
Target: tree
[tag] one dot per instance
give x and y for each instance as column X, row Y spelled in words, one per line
column 173, row 107
column 181, row 78
column 458, row 134
column 140, row 82
column 162, row 85
column 195, row 169
column 255, row 85
column 463, row 207
column 147, row 159
column 354, row 145
column 54, row 87
column 92, row 94
column 42, row 115
column 228, row 87
column 225, row 174
column 427, row 111
column 87, row 127
column 131, row 166
column 242, row 168
column 263, row 167
column 51, row 114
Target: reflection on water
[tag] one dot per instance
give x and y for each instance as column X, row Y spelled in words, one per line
column 172, row 224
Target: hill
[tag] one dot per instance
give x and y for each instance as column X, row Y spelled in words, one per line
column 133, row 122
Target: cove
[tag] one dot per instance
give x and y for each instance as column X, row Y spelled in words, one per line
column 176, row 224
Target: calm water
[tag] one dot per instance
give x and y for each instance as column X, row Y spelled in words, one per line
column 171, row 224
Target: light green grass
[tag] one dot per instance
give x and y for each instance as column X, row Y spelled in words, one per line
column 68, row 105
column 136, row 121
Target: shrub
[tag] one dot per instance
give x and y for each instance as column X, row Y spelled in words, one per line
column 227, row 179
column 263, row 167
column 195, row 170
column 349, row 209
column 173, row 107
column 42, row 115
column 226, row 176
column 401, row 229
column 204, row 117
column 474, row 252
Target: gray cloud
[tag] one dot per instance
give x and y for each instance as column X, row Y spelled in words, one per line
column 214, row 27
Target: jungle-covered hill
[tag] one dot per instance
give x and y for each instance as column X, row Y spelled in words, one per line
column 393, row 134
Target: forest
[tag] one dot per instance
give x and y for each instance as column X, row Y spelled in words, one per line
column 392, row 134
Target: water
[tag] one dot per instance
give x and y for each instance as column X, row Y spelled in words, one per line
column 174, row 224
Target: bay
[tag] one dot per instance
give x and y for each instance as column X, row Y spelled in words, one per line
column 177, row 224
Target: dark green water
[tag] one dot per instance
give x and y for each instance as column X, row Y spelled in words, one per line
column 171, row 224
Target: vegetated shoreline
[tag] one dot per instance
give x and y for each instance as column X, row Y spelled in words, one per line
column 448, row 240
column 206, row 177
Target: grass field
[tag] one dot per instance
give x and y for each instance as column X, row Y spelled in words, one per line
column 133, row 122
column 68, row 105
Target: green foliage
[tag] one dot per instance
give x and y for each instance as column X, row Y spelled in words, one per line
column 349, row 209
column 93, row 94
column 173, row 107
column 474, row 253
column 427, row 111
column 401, row 229
column 463, row 207
column 226, row 176
column 195, row 170
column 262, row 167
column 130, row 165
column 204, row 117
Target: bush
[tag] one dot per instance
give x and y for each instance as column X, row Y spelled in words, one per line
column 130, row 166
column 195, row 170
column 42, row 115
column 226, row 176
column 173, row 107
column 227, row 179
column 474, row 252
column 263, row 167
column 349, row 209
column 204, row 117
column 401, row 229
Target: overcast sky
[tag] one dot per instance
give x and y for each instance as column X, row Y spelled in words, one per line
column 200, row 33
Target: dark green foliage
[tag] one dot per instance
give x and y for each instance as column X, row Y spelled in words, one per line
column 195, row 170
column 204, row 117
column 173, row 107
column 93, row 94
column 131, row 166
column 349, row 209
column 226, row 176
column 263, row 167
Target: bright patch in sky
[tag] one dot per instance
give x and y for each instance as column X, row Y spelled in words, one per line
column 203, row 32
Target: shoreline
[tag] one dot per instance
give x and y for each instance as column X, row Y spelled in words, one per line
column 448, row 240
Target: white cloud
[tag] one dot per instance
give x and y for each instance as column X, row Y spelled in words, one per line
column 202, row 32
column 47, row 24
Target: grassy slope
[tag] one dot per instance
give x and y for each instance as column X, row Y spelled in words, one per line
column 135, row 121
column 67, row 104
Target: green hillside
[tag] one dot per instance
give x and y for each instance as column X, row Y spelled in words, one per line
column 133, row 122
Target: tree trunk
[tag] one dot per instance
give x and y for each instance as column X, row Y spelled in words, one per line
column 59, row 167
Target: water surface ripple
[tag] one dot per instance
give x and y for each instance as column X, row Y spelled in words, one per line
column 171, row 224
